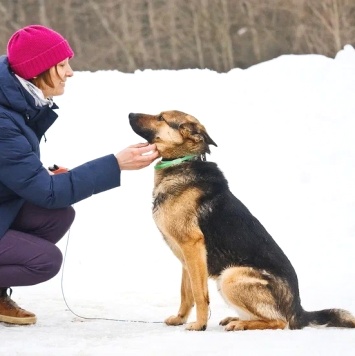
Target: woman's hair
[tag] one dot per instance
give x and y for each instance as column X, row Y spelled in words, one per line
column 44, row 77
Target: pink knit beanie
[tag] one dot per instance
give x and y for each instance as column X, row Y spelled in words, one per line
column 34, row 49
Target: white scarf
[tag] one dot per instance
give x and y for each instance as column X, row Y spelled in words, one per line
column 37, row 93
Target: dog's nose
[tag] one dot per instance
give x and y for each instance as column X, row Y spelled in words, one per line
column 131, row 115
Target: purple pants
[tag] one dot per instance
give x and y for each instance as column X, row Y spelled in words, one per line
column 28, row 254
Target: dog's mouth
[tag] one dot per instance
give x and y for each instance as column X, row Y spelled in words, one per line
column 138, row 129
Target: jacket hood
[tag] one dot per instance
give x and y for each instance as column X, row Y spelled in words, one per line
column 12, row 94
column 15, row 98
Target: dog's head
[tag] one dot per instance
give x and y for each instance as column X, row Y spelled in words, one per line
column 175, row 133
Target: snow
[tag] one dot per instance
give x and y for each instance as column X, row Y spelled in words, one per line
column 285, row 135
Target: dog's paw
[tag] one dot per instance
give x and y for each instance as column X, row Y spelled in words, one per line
column 196, row 326
column 226, row 321
column 236, row 325
column 174, row 320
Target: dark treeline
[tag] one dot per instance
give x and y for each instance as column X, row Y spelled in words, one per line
column 175, row 34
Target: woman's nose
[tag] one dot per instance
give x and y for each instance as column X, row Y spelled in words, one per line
column 69, row 72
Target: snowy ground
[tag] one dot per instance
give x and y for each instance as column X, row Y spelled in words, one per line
column 285, row 134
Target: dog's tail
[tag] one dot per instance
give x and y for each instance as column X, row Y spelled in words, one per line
column 328, row 318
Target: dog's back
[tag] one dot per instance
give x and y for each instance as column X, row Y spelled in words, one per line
column 233, row 236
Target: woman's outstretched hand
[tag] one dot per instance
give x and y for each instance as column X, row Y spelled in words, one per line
column 137, row 156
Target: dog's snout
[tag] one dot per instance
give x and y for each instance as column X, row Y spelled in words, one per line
column 131, row 115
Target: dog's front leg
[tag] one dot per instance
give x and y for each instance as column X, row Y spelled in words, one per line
column 187, row 301
column 196, row 265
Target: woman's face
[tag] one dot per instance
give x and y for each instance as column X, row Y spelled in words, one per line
column 64, row 72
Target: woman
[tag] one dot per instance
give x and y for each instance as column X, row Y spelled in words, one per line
column 35, row 204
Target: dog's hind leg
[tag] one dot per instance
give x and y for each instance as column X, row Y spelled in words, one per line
column 247, row 290
column 187, row 301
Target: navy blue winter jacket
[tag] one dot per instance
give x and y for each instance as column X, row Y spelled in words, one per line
column 22, row 175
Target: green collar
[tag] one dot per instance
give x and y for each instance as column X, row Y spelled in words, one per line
column 174, row 162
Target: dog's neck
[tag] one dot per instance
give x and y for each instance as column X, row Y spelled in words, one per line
column 164, row 163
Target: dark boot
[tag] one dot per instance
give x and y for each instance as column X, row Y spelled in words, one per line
column 11, row 313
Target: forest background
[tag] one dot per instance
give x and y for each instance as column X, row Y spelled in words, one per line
column 127, row 35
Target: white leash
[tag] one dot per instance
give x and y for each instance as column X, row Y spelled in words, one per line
column 94, row 318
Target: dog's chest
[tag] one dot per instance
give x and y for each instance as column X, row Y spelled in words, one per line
column 174, row 212
column 167, row 226
column 167, row 194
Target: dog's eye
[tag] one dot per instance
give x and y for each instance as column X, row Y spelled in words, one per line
column 160, row 118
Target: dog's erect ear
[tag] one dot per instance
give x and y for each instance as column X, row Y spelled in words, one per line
column 191, row 130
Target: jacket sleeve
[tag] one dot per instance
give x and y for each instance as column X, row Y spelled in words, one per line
column 22, row 172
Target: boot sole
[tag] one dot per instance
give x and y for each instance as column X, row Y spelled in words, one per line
column 18, row 321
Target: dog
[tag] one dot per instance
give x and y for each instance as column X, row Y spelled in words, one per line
column 213, row 234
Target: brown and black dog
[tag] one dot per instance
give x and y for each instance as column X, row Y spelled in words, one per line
column 214, row 235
